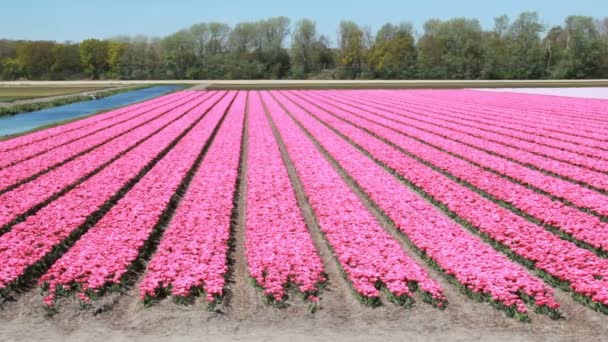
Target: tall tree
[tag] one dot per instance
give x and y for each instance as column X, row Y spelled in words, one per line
column 602, row 26
column 451, row 49
column 94, row 57
column 496, row 49
column 179, row 51
column 580, row 47
column 303, row 45
column 351, row 48
column 116, row 51
column 66, row 61
column 393, row 53
column 36, row 58
column 525, row 51
column 218, row 38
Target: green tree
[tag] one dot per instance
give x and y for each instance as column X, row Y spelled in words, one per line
column 66, row 61
column 12, row 69
column 94, row 57
column 7, row 51
column 496, row 49
column 581, row 49
column 393, row 54
column 116, row 51
column 602, row 26
column 36, row 58
column 302, row 47
column 451, row 49
column 351, row 49
column 525, row 52
column 179, row 54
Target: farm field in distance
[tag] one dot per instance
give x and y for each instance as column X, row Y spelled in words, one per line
column 17, row 93
column 455, row 212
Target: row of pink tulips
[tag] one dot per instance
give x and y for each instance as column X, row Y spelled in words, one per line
column 40, row 163
column 582, row 197
column 366, row 252
column 106, row 251
column 17, row 202
column 492, row 130
column 278, row 246
column 51, row 133
column 193, row 251
column 474, row 264
column 593, row 178
column 557, row 106
column 27, row 243
column 582, row 226
column 466, row 130
column 535, row 108
column 584, row 272
column 565, row 131
column 17, row 155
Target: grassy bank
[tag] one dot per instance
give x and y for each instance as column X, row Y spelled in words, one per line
column 19, row 93
column 30, row 107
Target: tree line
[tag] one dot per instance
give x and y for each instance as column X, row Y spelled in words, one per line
column 522, row 48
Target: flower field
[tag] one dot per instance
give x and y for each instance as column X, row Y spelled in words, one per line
column 402, row 195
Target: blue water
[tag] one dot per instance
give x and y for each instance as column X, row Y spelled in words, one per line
column 27, row 121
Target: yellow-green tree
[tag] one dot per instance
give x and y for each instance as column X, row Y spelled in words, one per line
column 352, row 49
column 116, row 51
column 393, row 54
column 94, row 57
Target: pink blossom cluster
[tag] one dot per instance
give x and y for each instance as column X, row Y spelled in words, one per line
column 460, row 113
column 533, row 117
column 545, row 106
column 560, row 111
column 586, row 273
column 576, row 173
column 18, row 154
column 31, row 240
column 580, row 136
column 551, row 153
column 103, row 255
column 193, row 250
column 32, row 166
column 458, row 116
column 473, row 263
column 278, row 246
column 573, row 193
column 53, row 132
column 582, row 226
column 367, row 253
column 17, row 201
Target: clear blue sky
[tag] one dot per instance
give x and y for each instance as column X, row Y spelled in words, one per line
column 79, row 19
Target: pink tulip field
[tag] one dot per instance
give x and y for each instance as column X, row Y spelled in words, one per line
column 502, row 196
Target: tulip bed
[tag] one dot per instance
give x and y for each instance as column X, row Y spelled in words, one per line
column 278, row 246
column 193, row 253
column 503, row 195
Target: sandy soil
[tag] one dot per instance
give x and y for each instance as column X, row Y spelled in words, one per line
column 340, row 317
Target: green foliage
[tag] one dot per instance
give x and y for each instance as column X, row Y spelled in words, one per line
column 66, row 61
column 94, row 57
column 12, row 69
column 352, row 49
column 310, row 53
column 446, row 49
column 451, row 49
column 394, row 55
column 580, row 49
